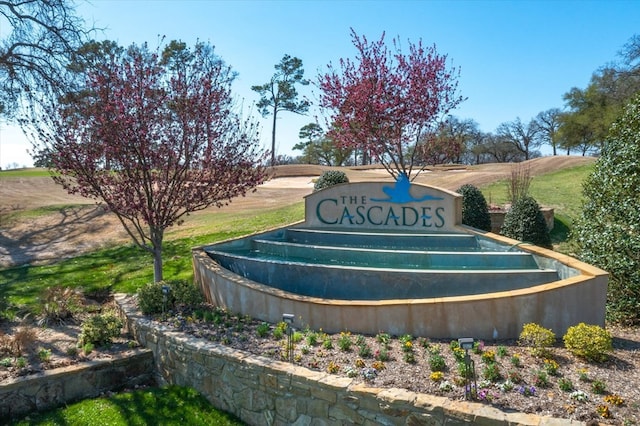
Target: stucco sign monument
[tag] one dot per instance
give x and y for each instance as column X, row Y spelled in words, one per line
column 400, row 206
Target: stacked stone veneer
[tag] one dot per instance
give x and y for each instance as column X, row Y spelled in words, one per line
column 60, row 386
column 261, row 391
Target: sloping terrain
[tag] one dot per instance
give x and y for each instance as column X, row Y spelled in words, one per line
column 75, row 224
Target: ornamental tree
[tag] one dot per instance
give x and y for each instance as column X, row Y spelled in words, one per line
column 154, row 137
column 389, row 104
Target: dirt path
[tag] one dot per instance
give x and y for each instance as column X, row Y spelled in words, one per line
column 76, row 225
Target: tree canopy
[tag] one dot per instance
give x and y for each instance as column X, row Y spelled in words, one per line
column 154, row 137
column 386, row 103
column 41, row 36
column 280, row 94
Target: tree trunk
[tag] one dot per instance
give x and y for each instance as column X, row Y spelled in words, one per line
column 157, row 256
column 273, row 138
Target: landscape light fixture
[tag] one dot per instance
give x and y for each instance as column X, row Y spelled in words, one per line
column 470, row 386
column 288, row 318
column 466, row 343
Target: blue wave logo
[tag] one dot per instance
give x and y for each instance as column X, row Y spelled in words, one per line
column 399, row 193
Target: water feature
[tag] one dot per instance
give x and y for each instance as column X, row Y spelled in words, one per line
column 371, row 257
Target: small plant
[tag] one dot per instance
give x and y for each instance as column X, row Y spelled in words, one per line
column 507, row 386
column 527, row 390
column 565, row 384
column 502, row 351
column 579, row 396
column 330, row 178
column 6, row 362
column 360, row 340
column 44, row 355
column 541, row 379
column 364, row 351
column 333, row 368
column 185, row 293
column 262, row 330
column 478, row 347
column 491, row 372
column 514, row 376
column 279, row 330
column 590, row 342
column 72, row 351
column 459, row 353
column 21, row 362
column 369, row 374
column 59, row 305
column 489, row 357
column 344, row 341
column 515, row 360
column 599, row 387
column 351, row 372
column 551, row 366
column 436, row 362
column 100, row 329
column 327, row 343
column 538, row 339
column 446, row 386
column 603, row 411
column 296, row 337
column 407, row 347
column 436, row 376
column 360, row 363
column 614, row 399
column 409, row 357
column 23, row 340
column 378, row 365
column 304, row 349
column 312, row 338
column 583, row 374
column 382, row 354
column 383, row 338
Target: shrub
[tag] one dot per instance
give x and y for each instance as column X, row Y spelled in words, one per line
column 151, row 300
column 475, row 211
column 525, row 222
column 537, row 338
column 436, row 362
column 591, row 342
column 185, row 293
column 330, row 178
column 100, row 329
column 607, row 230
column 59, row 304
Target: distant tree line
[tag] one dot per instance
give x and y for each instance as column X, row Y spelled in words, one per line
column 580, row 127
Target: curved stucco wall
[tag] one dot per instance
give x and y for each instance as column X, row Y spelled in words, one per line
column 557, row 305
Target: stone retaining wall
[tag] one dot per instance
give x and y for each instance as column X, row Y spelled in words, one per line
column 262, row 391
column 61, row 386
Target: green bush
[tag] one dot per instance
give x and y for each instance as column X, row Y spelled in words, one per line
column 475, row 211
column 607, row 231
column 330, row 178
column 100, row 329
column 525, row 222
column 537, row 338
column 151, row 300
column 185, row 293
column 591, row 342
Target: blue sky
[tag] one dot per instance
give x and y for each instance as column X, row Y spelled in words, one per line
column 517, row 58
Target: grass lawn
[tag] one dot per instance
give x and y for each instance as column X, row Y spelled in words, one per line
column 151, row 406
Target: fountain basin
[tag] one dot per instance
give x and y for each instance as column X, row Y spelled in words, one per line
column 437, row 279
